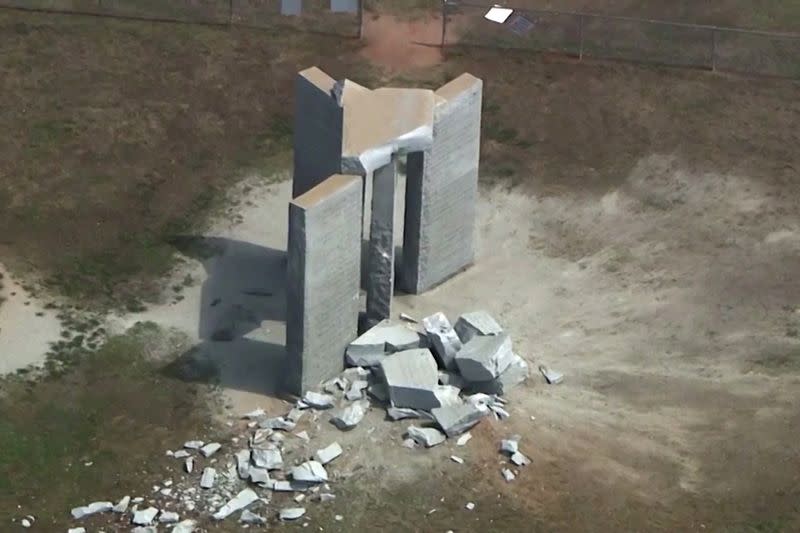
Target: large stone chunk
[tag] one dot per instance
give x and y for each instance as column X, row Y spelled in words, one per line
column 412, row 378
column 382, row 339
column 427, row 437
column 475, row 323
column 310, row 472
column 92, row 508
column 516, row 373
column 484, row 358
column 456, row 419
column 443, row 337
column 237, row 503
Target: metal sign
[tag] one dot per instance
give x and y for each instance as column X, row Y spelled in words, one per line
column 520, row 25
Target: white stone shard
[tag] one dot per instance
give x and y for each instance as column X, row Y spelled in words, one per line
column 516, row 372
column 299, row 497
column 303, row 435
column 356, row 373
column 310, row 472
column 138, row 499
column 181, row 454
column 476, row 323
column 427, row 437
column 92, row 508
column 447, row 395
column 350, row 416
column 412, row 379
column 508, row 475
column 277, row 438
column 499, row 412
column 484, row 358
column 259, row 436
column 510, row 445
column 457, row 459
column 552, row 377
column 269, row 459
column 249, row 517
column 188, row 465
column 253, row 415
column 208, row 478
column 318, row 400
column 519, row 459
column 445, row 342
column 277, row 422
column 122, row 505
column 259, row 476
column 356, row 390
column 193, row 444
column 145, row 517
column 294, row 415
column 382, row 339
column 498, row 14
column 409, row 443
column 145, row 529
column 26, row 523
column 463, row 439
column 329, row 453
column 76, row 530
column 325, row 497
column 456, row 419
column 408, row 318
column 243, row 464
column 210, row 449
column 470, row 506
column 187, row 526
column 237, row 503
column 169, row 517
column 289, row 486
column 291, row 513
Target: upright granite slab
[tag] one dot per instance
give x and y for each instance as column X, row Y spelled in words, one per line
column 323, row 280
column 442, row 190
column 380, row 249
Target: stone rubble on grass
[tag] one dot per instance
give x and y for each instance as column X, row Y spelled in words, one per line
column 92, row 508
column 444, row 339
column 427, row 437
column 476, row 323
column 259, row 476
column 249, row 517
column 210, row 449
column 291, row 513
column 552, row 377
column 237, row 503
column 208, row 478
column 144, row 517
column 328, row 454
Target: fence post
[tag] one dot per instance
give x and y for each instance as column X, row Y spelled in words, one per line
column 714, row 50
column 580, row 34
column 444, row 22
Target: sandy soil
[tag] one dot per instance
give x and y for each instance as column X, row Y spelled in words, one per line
column 398, row 44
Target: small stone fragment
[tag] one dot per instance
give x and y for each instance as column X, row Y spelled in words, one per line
column 456, row 419
column 457, row 459
column 470, row 506
column 328, row 454
column 325, row 497
column 303, row 435
column 356, row 390
column 122, row 505
column 277, row 423
column 444, row 339
column 168, row 517
column 294, row 415
column 145, row 529
column 76, row 530
column 26, row 523
column 499, row 412
column 382, row 339
column 350, row 416
column 243, row 463
column 92, row 508
column 253, row 415
column 519, row 459
column 188, row 465
column 187, row 526
column 412, row 379
column 510, row 445
column 193, row 444
column 551, row 376
column 299, row 497
column 310, row 472
column 289, row 486
column 427, row 437
column 463, row 439
column 210, row 449
column 508, row 475
column 476, row 323
column 484, row 358
column 237, row 503
column 318, row 400
column 259, row 476
column 249, row 517
column 208, row 478
column 181, row 454
column 145, row 517
column 291, row 513
column 269, row 459
column 409, row 443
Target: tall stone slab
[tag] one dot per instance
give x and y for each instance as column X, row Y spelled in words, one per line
column 380, row 249
column 442, row 190
column 323, row 280
column 318, row 130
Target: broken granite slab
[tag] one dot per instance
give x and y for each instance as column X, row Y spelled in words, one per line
column 193, row 444
column 145, row 517
column 260, row 477
column 208, row 478
column 269, row 459
column 445, row 343
column 508, row 475
column 168, row 517
column 291, row 513
column 290, row 486
column 456, row 419
column 519, row 459
column 277, row 423
column 210, row 449
column 553, row 377
column 92, row 508
column 318, row 400
column 310, row 472
column 122, row 505
column 412, row 377
column 243, row 463
column 237, row 503
column 350, row 416
column 476, row 323
column 484, row 358
column 382, row 339
column 516, row 373
column 187, row 526
column 356, row 390
column 249, row 517
column 328, row 454
column 427, row 437
column 510, row 445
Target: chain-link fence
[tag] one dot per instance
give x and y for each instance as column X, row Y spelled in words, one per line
column 625, row 38
column 315, row 15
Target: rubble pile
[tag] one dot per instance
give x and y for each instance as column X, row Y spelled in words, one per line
column 442, row 379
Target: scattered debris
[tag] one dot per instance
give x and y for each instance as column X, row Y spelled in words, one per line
column 181, row 454
column 382, row 339
column 303, row 435
column 402, row 413
column 269, row 459
column 409, row 443
column 92, row 508
column 145, row 517
column 289, row 486
column 122, row 505
column 508, row 475
column 210, row 449
column 551, row 376
column 208, row 478
column 328, row 454
column 443, row 337
column 169, row 517
column 427, row 437
column 26, row 523
column 187, row 526
column 254, row 415
column 310, row 472
column 145, row 529
column 519, row 459
column 260, row 477
column 350, row 416
column 484, row 358
column 318, row 400
column 278, row 422
column 510, row 445
column 291, row 513
column 470, row 506
column 457, row 459
column 188, row 465
column 476, row 323
column 76, row 530
column 356, row 390
column 237, row 503
column 456, row 419
column 193, row 444
column 249, row 517
column 408, row 318
column 463, row 439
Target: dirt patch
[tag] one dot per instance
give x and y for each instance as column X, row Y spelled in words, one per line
column 397, row 44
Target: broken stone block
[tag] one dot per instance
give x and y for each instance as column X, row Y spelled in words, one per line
column 427, row 437
column 447, row 395
column 553, row 377
column 382, row 339
column 294, row 415
column 168, row 517
column 412, row 378
column 243, row 463
column 356, row 390
column 92, row 508
column 470, row 325
column 510, row 445
column 188, row 465
column 356, row 373
column 318, row 400
column 145, row 517
column 508, row 475
column 76, row 530
column 402, row 413
column 516, row 373
column 452, row 378
column 249, row 517
column 122, row 505
column 259, row 476
column 519, row 459
column 445, row 343
column 193, row 444
column 310, row 472
column 484, row 358
column 379, row 392
column 210, row 449
column 291, row 513
column 145, row 529
column 457, row 459
column 328, row 454
column 277, row 423
column 237, row 503
column 181, row 454
column 289, row 486
column 350, row 416
column 187, row 526
column 208, row 478
column 269, row 459
column 254, row 415
column 456, row 419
